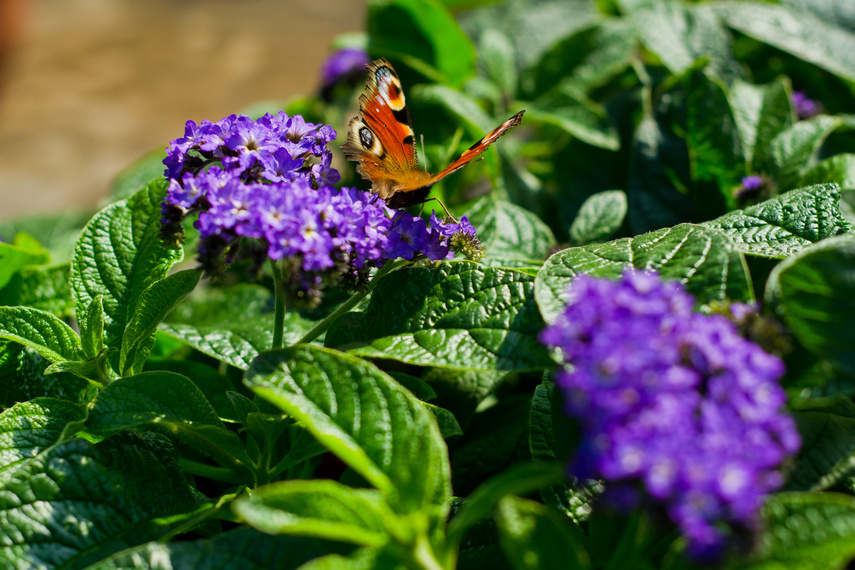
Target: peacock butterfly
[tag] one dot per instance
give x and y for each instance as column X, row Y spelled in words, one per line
column 382, row 141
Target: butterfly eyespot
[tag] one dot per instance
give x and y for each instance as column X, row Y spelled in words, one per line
column 409, row 139
column 366, row 137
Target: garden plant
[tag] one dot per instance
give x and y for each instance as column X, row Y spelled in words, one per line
column 628, row 342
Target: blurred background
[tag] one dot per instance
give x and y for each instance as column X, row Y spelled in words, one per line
column 89, row 86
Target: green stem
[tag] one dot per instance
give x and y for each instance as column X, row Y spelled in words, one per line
column 279, row 311
column 209, row 471
column 346, row 307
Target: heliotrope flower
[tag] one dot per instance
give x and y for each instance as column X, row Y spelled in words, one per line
column 673, row 402
column 805, row 106
column 263, row 190
column 344, row 66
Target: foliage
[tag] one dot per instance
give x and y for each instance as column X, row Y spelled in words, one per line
column 146, row 423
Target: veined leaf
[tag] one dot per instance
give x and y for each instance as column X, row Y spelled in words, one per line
column 41, row 331
column 172, row 403
column 786, row 224
column 808, row 531
column 459, row 315
column 362, row 415
column 28, row 428
column 119, row 255
column 534, row 536
column 322, row 509
column 814, row 292
column 78, row 501
column 152, row 307
column 705, row 260
column 511, row 235
column 796, row 32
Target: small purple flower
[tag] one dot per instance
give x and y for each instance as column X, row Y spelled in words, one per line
column 752, row 186
column 752, row 183
column 460, row 237
column 805, row 107
column 673, row 400
column 345, row 65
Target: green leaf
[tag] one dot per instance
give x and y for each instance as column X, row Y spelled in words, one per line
column 839, row 169
column 210, row 382
column 362, row 415
column 458, row 315
column 588, row 58
column 791, row 151
column 600, row 216
column 808, row 531
column 533, row 27
column 799, row 33
column 657, row 175
column 28, row 428
column 92, row 328
column 55, row 232
column 786, row 224
column 679, row 34
column 44, row 288
column 511, row 235
column 552, row 437
column 815, row 294
column 760, row 114
column 319, row 508
column 15, row 256
column 828, row 450
column 572, row 112
column 244, row 548
column 465, row 107
column 703, row 259
column 715, row 153
column 148, row 169
column 23, row 377
column 497, row 54
column 170, row 403
column 534, row 536
column 43, row 332
column 494, row 440
column 520, row 479
column 152, row 307
column 119, row 255
column 79, row 502
column 424, row 35
column 232, row 324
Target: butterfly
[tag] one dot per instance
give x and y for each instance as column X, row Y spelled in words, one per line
column 382, row 141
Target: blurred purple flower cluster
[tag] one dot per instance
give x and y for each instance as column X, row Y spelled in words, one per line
column 805, row 106
column 263, row 189
column 346, row 65
column 674, row 400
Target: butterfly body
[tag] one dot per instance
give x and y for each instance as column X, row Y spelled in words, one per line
column 381, row 140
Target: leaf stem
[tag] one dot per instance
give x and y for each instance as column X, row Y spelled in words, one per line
column 210, row 471
column 348, row 305
column 279, row 310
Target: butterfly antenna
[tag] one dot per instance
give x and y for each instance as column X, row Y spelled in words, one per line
column 424, row 156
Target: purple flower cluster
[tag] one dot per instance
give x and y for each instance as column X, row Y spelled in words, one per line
column 263, row 190
column 805, row 106
column 674, row 401
column 343, row 64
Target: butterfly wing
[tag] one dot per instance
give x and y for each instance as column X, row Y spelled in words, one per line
column 476, row 149
column 381, row 138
